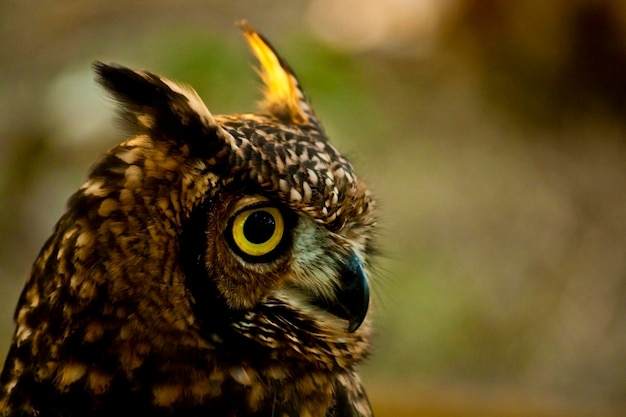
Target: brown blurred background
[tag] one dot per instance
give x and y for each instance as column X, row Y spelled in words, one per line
column 493, row 133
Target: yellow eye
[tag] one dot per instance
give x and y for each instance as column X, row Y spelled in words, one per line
column 258, row 231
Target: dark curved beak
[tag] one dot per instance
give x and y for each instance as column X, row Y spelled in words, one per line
column 352, row 295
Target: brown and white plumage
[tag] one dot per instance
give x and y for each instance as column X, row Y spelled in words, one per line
column 210, row 265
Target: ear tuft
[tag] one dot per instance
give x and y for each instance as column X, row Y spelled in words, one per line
column 162, row 108
column 283, row 96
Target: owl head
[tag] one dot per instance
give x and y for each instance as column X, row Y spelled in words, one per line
column 200, row 246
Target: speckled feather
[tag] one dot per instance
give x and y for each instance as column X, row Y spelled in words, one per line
column 136, row 306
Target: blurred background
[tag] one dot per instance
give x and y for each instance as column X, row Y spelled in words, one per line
column 492, row 132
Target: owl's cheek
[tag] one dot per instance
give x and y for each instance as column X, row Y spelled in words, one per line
column 244, row 284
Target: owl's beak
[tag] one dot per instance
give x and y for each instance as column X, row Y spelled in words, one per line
column 352, row 295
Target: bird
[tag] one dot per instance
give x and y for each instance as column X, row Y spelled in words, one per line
column 210, row 265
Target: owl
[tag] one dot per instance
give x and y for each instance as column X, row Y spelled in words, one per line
column 211, row 265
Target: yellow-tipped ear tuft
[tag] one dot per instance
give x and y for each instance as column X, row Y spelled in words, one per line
column 283, row 96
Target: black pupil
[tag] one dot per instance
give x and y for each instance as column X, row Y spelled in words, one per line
column 259, row 227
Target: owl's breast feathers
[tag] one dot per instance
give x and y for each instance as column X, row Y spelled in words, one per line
column 112, row 320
